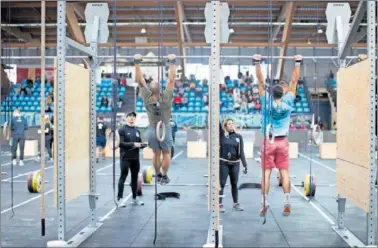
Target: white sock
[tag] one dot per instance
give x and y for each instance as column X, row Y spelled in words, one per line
column 287, row 197
column 266, row 199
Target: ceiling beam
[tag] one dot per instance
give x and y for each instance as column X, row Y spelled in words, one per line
column 191, row 44
column 73, row 26
column 280, row 18
column 285, row 37
column 358, row 16
column 79, row 10
column 360, row 35
column 16, row 32
column 180, row 7
column 180, row 33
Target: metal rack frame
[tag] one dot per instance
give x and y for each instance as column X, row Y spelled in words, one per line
column 62, row 43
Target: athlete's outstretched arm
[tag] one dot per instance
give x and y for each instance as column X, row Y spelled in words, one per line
column 295, row 75
column 260, row 77
column 138, row 72
column 171, row 72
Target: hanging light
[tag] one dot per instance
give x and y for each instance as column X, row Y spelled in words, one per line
column 320, row 31
column 143, row 31
column 231, row 31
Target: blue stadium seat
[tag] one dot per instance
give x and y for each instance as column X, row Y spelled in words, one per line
column 305, row 104
column 197, row 109
column 192, row 99
column 30, row 103
column 38, row 108
column 32, row 109
column 223, row 110
column 102, row 109
column 139, row 104
column 299, row 110
column 190, row 109
column 306, row 110
column 26, row 98
column 26, row 109
column 14, row 98
column 97, row 109
column 197, row 104
column 205, row 109
column 23, row 103
column 298, row 104
column 35, row 103
column 183, row 109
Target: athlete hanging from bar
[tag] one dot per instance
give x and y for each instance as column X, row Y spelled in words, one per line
column 158, row 108
column 276, row 152
column 231, row 153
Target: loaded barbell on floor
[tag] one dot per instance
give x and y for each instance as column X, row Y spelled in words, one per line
column 33, row 182
column 309, row 185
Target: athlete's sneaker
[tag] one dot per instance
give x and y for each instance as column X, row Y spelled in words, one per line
column 159, row 177
column 237, row 207
column 14, row 162
column 286, row 211
column 137, row 201
column 165, row 180
column 221, row 208
column 120, row 203
column 21, row 163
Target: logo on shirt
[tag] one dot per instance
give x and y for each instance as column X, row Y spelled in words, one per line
column 137, row 134
column 237, row 140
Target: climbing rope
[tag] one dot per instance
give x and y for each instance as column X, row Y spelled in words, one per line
column 43, row 134
column 114, row 96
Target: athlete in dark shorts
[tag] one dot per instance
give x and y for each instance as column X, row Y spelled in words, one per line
column 100, row 138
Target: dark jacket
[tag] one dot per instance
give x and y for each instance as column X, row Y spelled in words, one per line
column 18, row 126
column 127, row 137
column 231, row 147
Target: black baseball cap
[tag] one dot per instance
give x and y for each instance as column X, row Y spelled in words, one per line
column 131, row 114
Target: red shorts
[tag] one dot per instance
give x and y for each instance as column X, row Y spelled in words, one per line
column 276, row 154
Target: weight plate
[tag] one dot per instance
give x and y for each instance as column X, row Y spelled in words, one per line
column 37, row 181
column 309, row 185
column 140, row 184
column 29, row 182
column 147, row 174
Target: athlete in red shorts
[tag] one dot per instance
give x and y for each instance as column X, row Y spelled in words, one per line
column 276, row 111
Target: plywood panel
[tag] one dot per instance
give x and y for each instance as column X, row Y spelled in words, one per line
column 293, row 150
column 353, row 183
column 77, row 131
column 248, row 149
column 328, row 151
column 196, row 149
column 353, row 133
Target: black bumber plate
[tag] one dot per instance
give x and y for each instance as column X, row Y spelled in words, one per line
column 29, row 182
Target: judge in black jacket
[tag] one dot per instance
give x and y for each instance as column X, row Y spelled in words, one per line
column 130, row 144
column 230, row 155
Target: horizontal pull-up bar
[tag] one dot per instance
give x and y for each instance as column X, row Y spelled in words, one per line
column 179, row 57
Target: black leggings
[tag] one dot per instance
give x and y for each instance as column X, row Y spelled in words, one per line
column 18, row 140
column 233, row 172
column 134, row 167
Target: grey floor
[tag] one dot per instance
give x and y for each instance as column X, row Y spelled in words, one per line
column 183, row 222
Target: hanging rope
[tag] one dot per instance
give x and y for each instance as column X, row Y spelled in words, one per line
column 10, row 109
column 160, row 123
column 114, row 96
column 43, row 134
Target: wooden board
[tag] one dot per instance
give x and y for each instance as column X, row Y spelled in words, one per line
column 328, row 150
column 353, row 133
column 353, row 183
column 77, row 132
column 31, row 148
column 248, row 149
column 293, row 150
column 196, row 149
column 147, row 153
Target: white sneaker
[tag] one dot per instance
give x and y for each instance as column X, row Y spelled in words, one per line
column 137, row 201
column 21, row 163
column 121, row 204
column 14, row 162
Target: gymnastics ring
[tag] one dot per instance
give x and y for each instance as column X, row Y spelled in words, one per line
column 317, row 134
column 110, row 137
column 158, row 126
column 269, row 128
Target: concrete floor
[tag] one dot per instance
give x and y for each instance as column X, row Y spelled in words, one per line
column 183, row 222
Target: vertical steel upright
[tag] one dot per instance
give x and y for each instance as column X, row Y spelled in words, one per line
column 94, row 65
column 371, row 47
column 214, row 122
column 59, row 126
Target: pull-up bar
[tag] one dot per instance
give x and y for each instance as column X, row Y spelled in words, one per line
column 179, row 57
